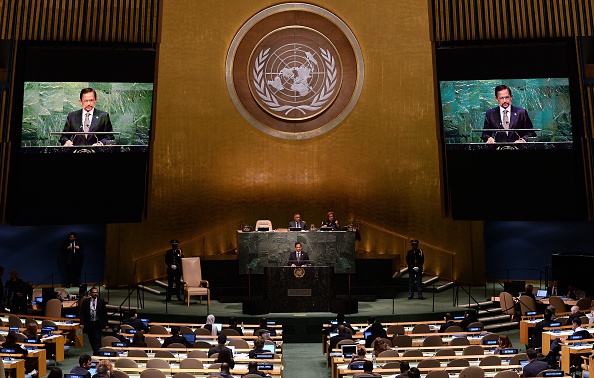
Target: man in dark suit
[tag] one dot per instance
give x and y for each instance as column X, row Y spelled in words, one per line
column 175, row 338
column 539, row 328
column 297, row 222
column 174, row 270
column 507, row 117
column 448, row 322
column 87, row 120
column 299, row 257
column 534, row 366
column 415, row 260
column 73, row 258
column 93, row 318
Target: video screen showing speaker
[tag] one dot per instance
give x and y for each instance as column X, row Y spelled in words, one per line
column 511, row 130
column 81, row 133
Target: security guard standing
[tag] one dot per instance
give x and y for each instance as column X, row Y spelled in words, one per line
column 174, row 270
column 415, row 260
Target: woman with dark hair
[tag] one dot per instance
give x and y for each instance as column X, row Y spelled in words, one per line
column 31, row 331
column 379, row 345
column 138, row 340
column 11, row 343
column 55, row 373
column 225, row 355
column 503, row 343
column 331, row 222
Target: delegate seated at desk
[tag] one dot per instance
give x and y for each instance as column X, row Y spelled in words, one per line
column 297, row 222
column 298, row 257
column 508, row 118
column 331, row 222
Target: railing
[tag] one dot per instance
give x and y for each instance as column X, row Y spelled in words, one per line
column 382, row 241
column 104, row 282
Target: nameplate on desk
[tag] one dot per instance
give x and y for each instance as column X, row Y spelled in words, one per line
column 555, row 324
column 119, row 344
column 531, row 313
column 474, row 329
column 458, row 317
column 13, row 329
column 490, row 342
column 71, row 316
column 8, row 350
column 554, row 373
column 265, row 367
column 264, row 356
column 575, row 337
column 271, row 322
column 105, row 353
column 51, row 328
column 509, row 351
column 299, row 292
column 74, row 376
column 130, row 331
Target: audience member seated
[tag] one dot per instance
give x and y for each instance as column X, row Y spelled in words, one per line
column 55, row 372
column 31, row 331
column 404, row 370
column 503, row 343
column 572, row 292
column 138, row 340
column 233, row 325
column 575, row 313
column 367, row 370
column 529, row 292
column 414, row 373
column 379, row 345
column 258, row 348
column 591, row 317
column 578, row 330
column 340, row 319
column 536, row 339
column 102, row 372
column 553, row 310
column 221, row 341
column 264, row 324
column 134, row 322
column 107, row 366
column 175, row 338
column 469, row 317
column 225, row 371
column 343, row 334
column 534, row 366
column 253, row 369
column 11, row 343
column 209, row 325
column 358, row 357
column 377, row 330
column 226, row 356
column 448, row 322
column 84, row 364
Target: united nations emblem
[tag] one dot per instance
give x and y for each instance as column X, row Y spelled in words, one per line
column 299, row 272
column 294, row 70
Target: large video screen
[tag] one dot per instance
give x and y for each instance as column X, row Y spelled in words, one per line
column 52, row 115
column 70, row 168
column 540, row 112
column 511, row 129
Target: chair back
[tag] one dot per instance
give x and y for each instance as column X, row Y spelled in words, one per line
column 389, row 353
column 185, row 329
column 489, row 337
column 396, row 329
column 428, row 363
column 438, row 374
column 124, row 327
column 345, row 342
column 460, row 341
column 156, row 363
column 263, row 223
column 239, row 344
column 183, row 375
column 558, row 303
column 152, row 373
column 402, row 341
column 506, row 301
column 421, row 328
column 197, row 354
column 14, row 321
column 53, row 308
column 458, row 362
column 191, row 363
column 412, row 353
column 202, row 344
column 124, row 362
column 230, row 332
column 202, row 331
column 507, row 374
column 119, row 374
column 20, row 338
column 433, row 340
column 491, row 361
column 152, row 342
column 137, row 353
column 473, row 350
column 472, row 372
column 515, row 360
column 446, row 352
column 584, row 304
column 158, row 330
column 164, row 354
column 453, row 328
column 391, row 365
column 476, row 325
column 107, row 340
column 177, row 345
column 526, row 304
column 192, row 271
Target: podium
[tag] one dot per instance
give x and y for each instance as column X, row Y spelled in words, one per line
column 299, row 289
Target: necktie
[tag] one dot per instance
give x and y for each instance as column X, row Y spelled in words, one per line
column 93, row 310
column 298, row 256
column 87, row 123
column 505, row 120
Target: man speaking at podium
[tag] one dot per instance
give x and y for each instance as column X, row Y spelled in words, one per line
column 298, row 257
column 507, row 117
column 87, row 120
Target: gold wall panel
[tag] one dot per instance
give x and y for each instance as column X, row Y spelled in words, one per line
column 211, row 170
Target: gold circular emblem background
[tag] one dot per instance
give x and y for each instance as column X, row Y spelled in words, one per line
column 259, row 32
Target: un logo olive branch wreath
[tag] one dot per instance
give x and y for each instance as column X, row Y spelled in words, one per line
column 317, row 102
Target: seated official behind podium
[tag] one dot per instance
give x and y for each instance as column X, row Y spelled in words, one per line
column 298, row 257
column 297, row 222
column 331, row 222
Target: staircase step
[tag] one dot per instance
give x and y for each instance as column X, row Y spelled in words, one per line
column 502, row 326
column 480, row 304
column 149, row 289
column 161, row 283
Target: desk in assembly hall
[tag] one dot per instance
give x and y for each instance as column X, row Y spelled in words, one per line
column 14, row 368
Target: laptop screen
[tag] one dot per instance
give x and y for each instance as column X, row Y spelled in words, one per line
column 523, row 363
column 366, row 334
column 541, row 293
column 190, row 337
column 219, row 326
column 146, row 321
column 269, row 348
column 348, row 350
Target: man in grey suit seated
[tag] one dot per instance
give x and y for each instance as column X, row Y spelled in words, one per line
column 297, row 222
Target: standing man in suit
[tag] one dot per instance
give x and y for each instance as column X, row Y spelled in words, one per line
column 93, row 318
column 415, row 260
column 297, row 222
column 298, row 257
column 73, row 258
column 506, row 117
column 88, row 119
column 174, row 270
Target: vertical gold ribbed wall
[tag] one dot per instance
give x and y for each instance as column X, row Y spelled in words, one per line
column 79, row 20
column 465, row 20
